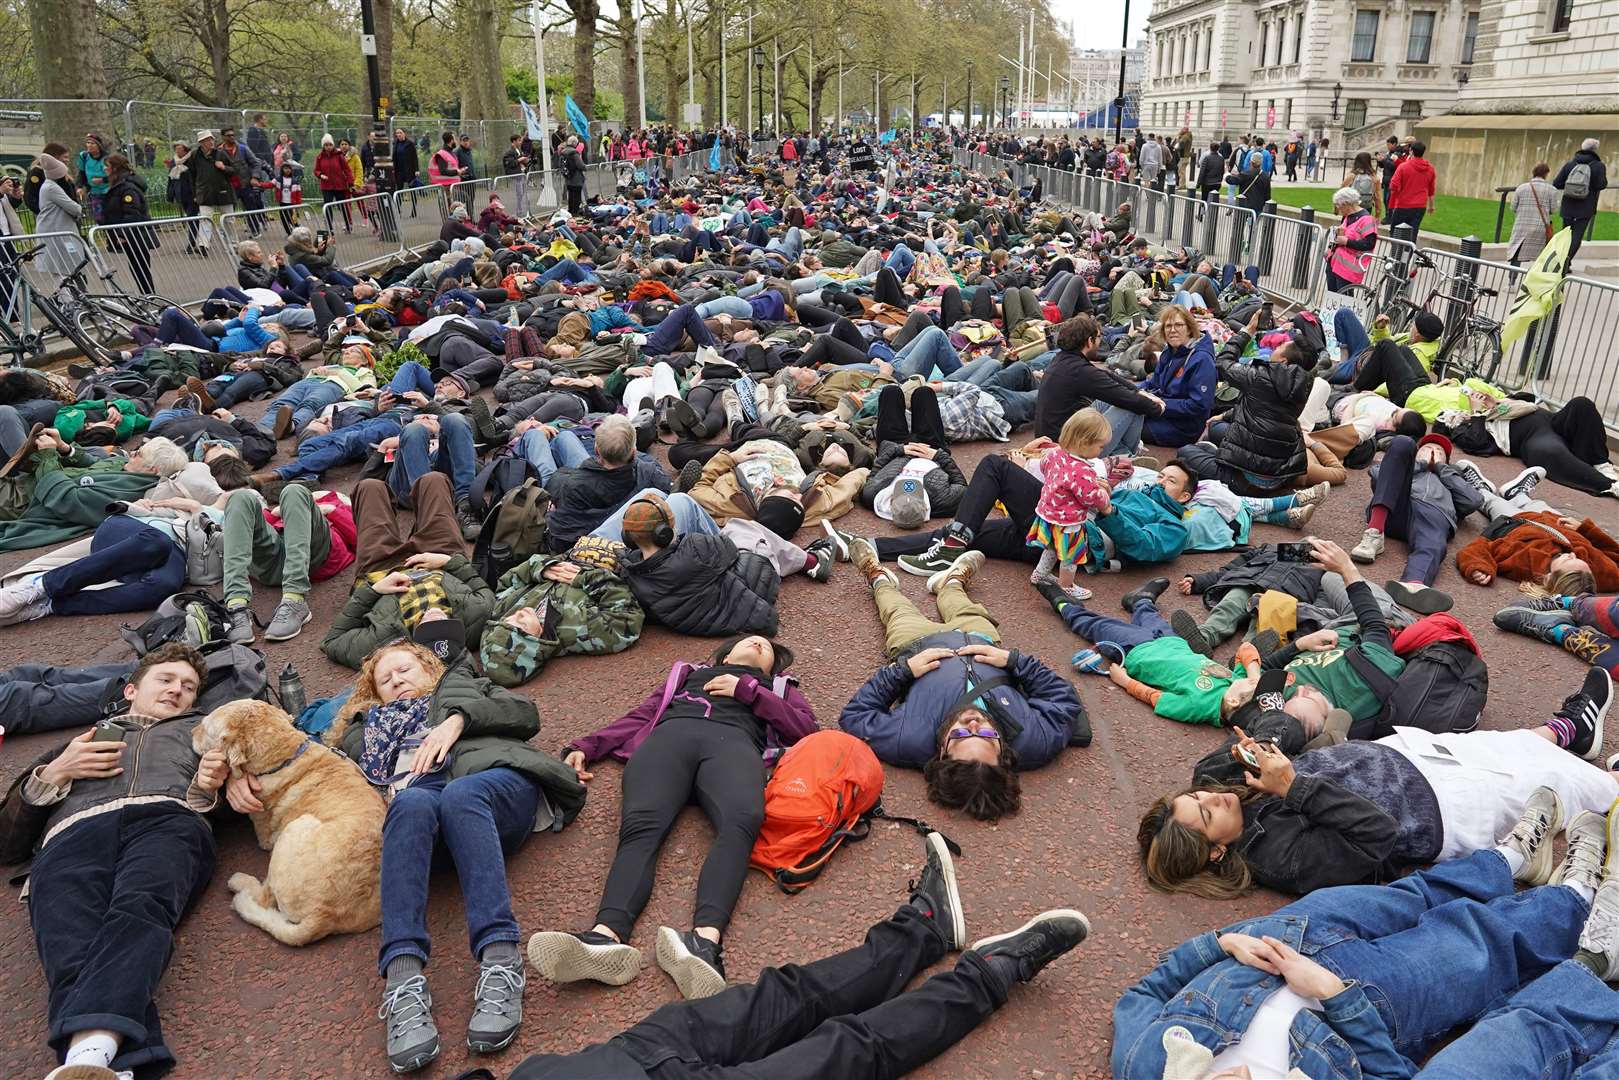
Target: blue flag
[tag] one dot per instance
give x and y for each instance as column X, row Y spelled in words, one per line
column 887, row 136
column 531, row 119
column 714, row 156
column 577, row 117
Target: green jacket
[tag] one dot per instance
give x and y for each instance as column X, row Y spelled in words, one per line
column 593, row 614
column 71, row 419
column 498, row 725
column 67, row 503
column 370, row 618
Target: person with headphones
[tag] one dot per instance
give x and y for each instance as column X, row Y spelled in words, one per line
column 699, row 737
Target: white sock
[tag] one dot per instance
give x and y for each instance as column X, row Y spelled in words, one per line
column 93, row 1050
column 1513, row 858
column 1584, row 892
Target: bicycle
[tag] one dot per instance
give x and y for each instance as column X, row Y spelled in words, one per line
column 1471, row 344
column 1389, row 295
column 95, row 322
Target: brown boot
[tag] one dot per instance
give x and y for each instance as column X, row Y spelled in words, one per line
column 24, row 451
column 269, row 483
column 196, row 386
column 283, row 422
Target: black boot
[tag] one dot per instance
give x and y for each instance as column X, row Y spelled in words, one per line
column 468, row 520
column 1148, row 590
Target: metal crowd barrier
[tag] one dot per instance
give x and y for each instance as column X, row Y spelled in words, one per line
column 1291, row 255
column 1570, row 352
column 173, row 253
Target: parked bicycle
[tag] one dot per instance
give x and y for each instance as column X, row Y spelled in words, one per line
column 96, row 322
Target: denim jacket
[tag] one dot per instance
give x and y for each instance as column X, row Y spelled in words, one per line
column 1214, row 997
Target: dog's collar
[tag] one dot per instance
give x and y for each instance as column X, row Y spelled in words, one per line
column 296, row 754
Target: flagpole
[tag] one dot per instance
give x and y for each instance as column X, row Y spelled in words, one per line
column 545, row 105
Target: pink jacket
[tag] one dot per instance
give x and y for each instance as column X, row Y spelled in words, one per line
column 1071, row 489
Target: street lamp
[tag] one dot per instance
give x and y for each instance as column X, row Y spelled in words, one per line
column 759, row 81
column 1337, row 91
column 1006, row 85
column 968, row 116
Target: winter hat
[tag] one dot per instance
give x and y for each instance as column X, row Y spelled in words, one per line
column 781, row 515
column 1439, row 441
column 643, row 518
column 1430, row 326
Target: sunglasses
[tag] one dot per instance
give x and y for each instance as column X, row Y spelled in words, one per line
column 980, row 732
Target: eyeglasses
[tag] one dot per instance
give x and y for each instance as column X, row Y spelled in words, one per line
column 981, row 732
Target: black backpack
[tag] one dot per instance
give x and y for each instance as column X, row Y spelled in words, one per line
column 1442, row 690
column 191, row 618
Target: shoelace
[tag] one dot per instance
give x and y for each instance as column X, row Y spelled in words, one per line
column 1585, row 855
column 282, row 609
column 406, row 1007
column 1574, row 706
column 497, row 985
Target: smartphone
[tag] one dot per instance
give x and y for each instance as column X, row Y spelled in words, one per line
column 323, row 235
column 107, row 733
column 1267, row 314
column 1296, row 552
column 1248, row 759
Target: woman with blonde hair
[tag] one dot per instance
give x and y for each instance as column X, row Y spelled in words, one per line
column 1183, row 379
column 449, row 750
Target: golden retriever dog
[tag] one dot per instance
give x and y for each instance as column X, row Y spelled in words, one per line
column 321, row 823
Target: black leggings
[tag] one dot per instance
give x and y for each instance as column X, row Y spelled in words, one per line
column 1568, row 444
column 915, row 323
column 704, row 398
column 682, row 452
column 327, row 307
column 840, row 345
column 683, row 760
column 545, row 406
column 951, row 308
column 887, row 290
column 925, row 424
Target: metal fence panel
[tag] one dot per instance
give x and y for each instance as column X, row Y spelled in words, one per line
column 370, row 230
column 1290, row 254
column 420, row 214
column 1570, row 352
column 187, row 258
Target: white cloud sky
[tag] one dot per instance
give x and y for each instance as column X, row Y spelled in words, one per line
column 1097, row 23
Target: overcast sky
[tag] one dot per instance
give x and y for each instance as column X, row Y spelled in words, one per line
column 1097, row 22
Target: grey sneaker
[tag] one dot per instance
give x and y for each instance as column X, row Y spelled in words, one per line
column 241, row 625
column 497, row 1007
column 1369, row 548
column 1587, row 844
column 412, row 1036
column 1541, row 820
column 1314, row 495
column 692, row 961
column 1299, row 516
column 1601, row 933
column 287, row 622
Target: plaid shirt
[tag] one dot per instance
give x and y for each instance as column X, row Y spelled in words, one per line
column 414, row 602
column 970, row 412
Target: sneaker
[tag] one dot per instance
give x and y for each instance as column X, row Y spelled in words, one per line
column 1525, row 620
column 1036, row 943
column 689, row 476
column 1314, row 495
column 1369, row 548
column 287, row 622
column 839, row 540
column 692, row 961
column 732, row 405
column 935, row 892
column 483, row 421
column 83, row 1072
column 1475, row 476
column 937, row 557
column 1608, row 469
column 470, row 524
column 241, row 625
column 1422, row 599
column 821, row 572
column 1585, row 710
column 24, row 601
column 1601, row 933
column 565, row 958
column 1077, row 592
column 497, row 1007
column 1298, row 517
column 961, row 572
column 1524, row 483
column 1185, row 626
column 1149, row 591
column 412, row 1036
column 1541, row 820
column 1587, row 839
column 863, row 553
column 187, row 401
column 283, row 422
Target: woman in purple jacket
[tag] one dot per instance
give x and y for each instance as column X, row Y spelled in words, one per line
column 702, row 736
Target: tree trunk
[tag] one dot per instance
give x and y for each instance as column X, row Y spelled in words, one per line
column 68, row 60
column 216, row 39
column 713, row 32
column 585, row 13
column 629, row 68
column 383, row 13
column 483, row 94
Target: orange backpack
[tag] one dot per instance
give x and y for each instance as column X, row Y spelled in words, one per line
column 826, row 789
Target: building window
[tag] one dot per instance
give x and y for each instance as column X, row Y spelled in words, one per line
column 1200, row 114
column 1419, row 45
column 1298, row 36
column 1208, row 47
column 1363, row 46
column 1410, row 110
column 1191, row 58
column 1253, row 121
column 1354, row 114
column 1562, row 15
column 1264, row 41
column 1287, row 114
column 1470, row 37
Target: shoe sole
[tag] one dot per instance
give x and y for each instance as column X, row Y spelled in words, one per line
column 1428, row 601
column 1538, row 870
column 690, row 972
column 283, row 423
column 1044, row 916
column 1595, row 752
column 563, row 958
column 957, row 931
column 840, row 547
column 918, row 571
column 288, row 637
column 483, row 1046
column 936, row 580
column 426, row 1058
column 1364, row 560
column 1610, row 863
column 1187, row 630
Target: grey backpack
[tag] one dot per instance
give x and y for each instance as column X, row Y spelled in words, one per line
column 1578, row 183
column 205, row 549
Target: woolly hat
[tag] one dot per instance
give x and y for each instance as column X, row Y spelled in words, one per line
column 643, row 517
column 1430, row 326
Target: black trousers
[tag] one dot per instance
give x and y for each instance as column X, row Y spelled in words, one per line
column 576, row 200
column 925, row 424
column 105, row 898
column 704, row 398
column 683, row 761
column 887, row 289
column 845, row 1015
column 1203, row 461
column 1568, row 444
column 1390, row 362
column 995, row 479
column 915, row 323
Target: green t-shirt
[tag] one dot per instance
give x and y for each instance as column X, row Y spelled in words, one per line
column 1191, row 685
column 1333, row 675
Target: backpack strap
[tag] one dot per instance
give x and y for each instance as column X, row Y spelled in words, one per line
column 1379, row 681
column 922, row 827
column 670, row 685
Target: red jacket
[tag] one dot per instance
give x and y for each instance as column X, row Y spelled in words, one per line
column 1412, row 185
column 1432, row 628
column 332, row 170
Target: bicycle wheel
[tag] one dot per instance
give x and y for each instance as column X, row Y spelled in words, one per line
column 1402, row 313
column 1476, row 354
column 1365, row 300
column 101, row 326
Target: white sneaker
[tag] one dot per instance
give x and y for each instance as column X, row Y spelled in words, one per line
column 24, row 601
column 1608, row 469
column 1369, row 548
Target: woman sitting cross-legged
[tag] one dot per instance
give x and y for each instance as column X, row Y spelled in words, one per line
column 700, row 737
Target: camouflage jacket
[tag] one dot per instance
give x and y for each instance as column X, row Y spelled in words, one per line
column 594, row 613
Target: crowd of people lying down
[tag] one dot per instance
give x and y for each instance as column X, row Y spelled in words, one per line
column 653, row 410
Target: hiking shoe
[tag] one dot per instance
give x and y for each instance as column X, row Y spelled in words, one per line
column 465, row 517
column 960, row 571
column 1422, row 599
column 1541, row 820
column 1520, row 618
column 692, row 961
column 939, row 556
column 24, row 601
column 1149, row 591
column 863, row 553
column 1298, row 517
column 497, row 1006
column 1314, row 495
column 199, row 389
column 483, row 421
column 690, row 473
column 1601, row 933
column 1369, row 548
column 1186, row 628
column 1266, row 642
column 1587, row 839
column 283, row 425
column 287, row 622
column 565, row 958
column 1524, row 483
column 1584, row 712
column 839, row 540
column 1021, row 953
column 1475, row 476
column 935, row 893
column 241, row 630
column 412, row 1036
column 1048, row 588
column 822, row 570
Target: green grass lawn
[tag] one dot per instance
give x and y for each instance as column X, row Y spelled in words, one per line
column 1454, row 215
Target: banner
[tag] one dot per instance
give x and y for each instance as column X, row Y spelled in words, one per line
column 531, row 119
column 577, row 117
column 887, row 136
column 714, row 155
column 1538, row 291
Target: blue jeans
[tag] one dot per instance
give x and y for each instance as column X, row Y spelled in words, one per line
column 791, row 243
column 163, row 416
column 1126, row 427
column 928, row 350
column 473, row 822
column 318, row 453
column 979, row 371
column 1145, row 625
column 147, row 564
column 240, row 386
column 569, row 273
column 1352, row 341
column 900, row 260
column 689, row 517
column 734, row 306
column 548, row 455
column 46, row 697
column 307, row 398
column 411, row 376
column 1562, row 1026
column 455, row 456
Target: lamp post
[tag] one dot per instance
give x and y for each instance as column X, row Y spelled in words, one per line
column 691, row 71
column 1006, row 87
column 759, row 81
column 969, row 114
column 1337, row 89
column 545, row 105
column 1118, row 102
